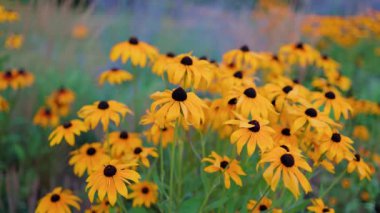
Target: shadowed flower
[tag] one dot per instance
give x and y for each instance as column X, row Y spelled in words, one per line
column 139, row 153
column 160, row 65
column 243, row 58
column 88, row 158
column 362, row 168
column 137, row 51
column 122, row 141
column 332, row 101
column 115, row 76
column 67, row 131
column 229, row 168
column 110, row 180
column 8, row 79
column 336, row 146
column 45, row 116
column 361, row 132
column 143, row 193
column 103, row 111
column 59, row 200
column 264, row 205
column 14, row 41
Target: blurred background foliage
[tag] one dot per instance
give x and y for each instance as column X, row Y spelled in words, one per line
column 67, row 42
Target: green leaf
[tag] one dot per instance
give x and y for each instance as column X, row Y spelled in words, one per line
column 191, row 205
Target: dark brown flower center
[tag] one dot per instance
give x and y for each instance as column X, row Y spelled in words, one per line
column 330, row 95
column 325, row 210
column 263, row 207
column 296, row 81
column 238, row 74
column 187, row 61
column 8, row 74
column 285, row 147
column 145, row 190
column 256, row 126
column 137, row 150
column 170, row 55
column 300, row 46
column 114, row 69
column 203, row 58
column 275, row 57
column 325, row 57
column 47, row 111
column 62, row 89
column 109, row 171
column 357, row 157
column 287, row 89
column 231, row 65
column 55, row 198
column 224, row 164
column 21, row 71
column 179, row 94
column 123, row 135
column 164, row 129
column 244, row 48
column 285, row 131
column 103, row 105
column 133, row 40
column 91, row 151
column 311, row 112
column 336, row 137
column 287, row 160
column 250, row 92
column 67, row 125
column 232, row 101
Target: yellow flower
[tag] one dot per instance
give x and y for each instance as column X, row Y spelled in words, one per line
column 336, row 146
column 262, row 206
column 88, row 158
column 220, row 111
column 121, row 141
column 14, row 41
column 332, row 100
column 252, row 132
column 161, row 131
column 160, row 65
column 45, row 116
column 63, row 96
column 115, row 76
column 110, row 180
column 361, row 132
column 298, row 54
column 243, row 58
column 172, row 105
column 59, row 200
column 326, row 63
column 287, row 162
column 139, row 153
column 251, row 102
column 67, row 131
column 8, row 79
column 4, row 106
column 144, row 193
column 188, row 71
column 103, row 111
column 358, row 164
column 23, row 78
column 101, row 207
column 137, row 51
column 229, row 168
column 319, row 207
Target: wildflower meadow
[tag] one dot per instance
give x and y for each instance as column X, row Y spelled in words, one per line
column 189, row 106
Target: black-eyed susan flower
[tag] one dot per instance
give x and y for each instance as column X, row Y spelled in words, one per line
column 135, row 50
column 357, row 163
column 336, row 146
column 327, row 63
column 67, row 131
column 272, row 63
column 88, row 158
column 4, row 106
column 229, row 168
column 286, row 162
column 171, row 105
column 121, row 141
column 311, row 116
column 188, row 71
column 144, row 193
column 160, row 65
column 318, row 206
column 63, row 96
column 46, row 116
column 361, row 132
column 299, row 53
column 14, row 41
column 332, row 101
column 283, row 136
column 251, row 102
column 220, row 111
column 110, row 180
column 264, row 205
column 103, row 111
column 283, row 92
column 341, row 81
column 59, row 200
column 137, row 152
column 23, row 77
column 242, row 57
column 8, row 79
column 115, row 76
column 255, row 132
column 101, row 207
column 161, row 131
column 235, row 78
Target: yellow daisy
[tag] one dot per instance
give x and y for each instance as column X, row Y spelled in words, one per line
column 59, row 200
column 115, row 76
column 144, row 193
column 67, row 131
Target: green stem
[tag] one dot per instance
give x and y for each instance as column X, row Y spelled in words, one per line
column 121, row 205
column 208, row 194
column 262, row 196
column 337, row 179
